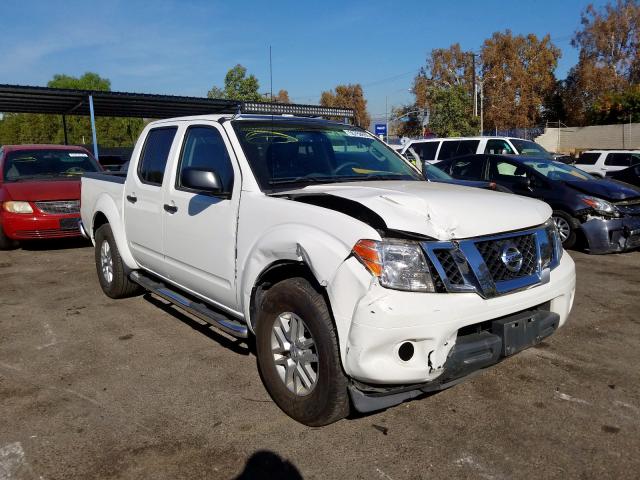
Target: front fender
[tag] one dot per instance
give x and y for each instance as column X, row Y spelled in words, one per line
column 322, row 252
column 107, row 206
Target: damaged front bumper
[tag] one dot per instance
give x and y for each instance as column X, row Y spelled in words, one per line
column 612, row 235
column 452, row 335
column 490, row 343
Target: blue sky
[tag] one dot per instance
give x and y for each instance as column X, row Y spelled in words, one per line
column 185, row 47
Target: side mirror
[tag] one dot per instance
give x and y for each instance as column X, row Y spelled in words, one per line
column 202, row 180
column 523, row 183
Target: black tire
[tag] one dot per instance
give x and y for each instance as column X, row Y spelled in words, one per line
column 118, row 285
column 564, row 219
column 6, row 243
column 328, row 400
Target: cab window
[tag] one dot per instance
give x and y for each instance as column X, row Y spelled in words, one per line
column 425, row 150
column 204, row 148
column 155, row 154
column 468, row 168
column 498, row 147
column 457, row 148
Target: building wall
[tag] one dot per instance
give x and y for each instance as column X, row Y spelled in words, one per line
column 575, row 139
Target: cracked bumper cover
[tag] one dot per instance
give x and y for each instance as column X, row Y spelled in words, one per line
column 613, row 235
column 384, row 319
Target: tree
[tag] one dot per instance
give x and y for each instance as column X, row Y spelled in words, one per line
column 40, row 128
column 444, row 68
column 615, row 107
column 518, row 73
column 348, row 96
column 449, row 112
column 238, row 86
column 609, row 42
column 282, row 97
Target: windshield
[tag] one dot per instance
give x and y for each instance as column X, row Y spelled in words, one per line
column 558, row 171
column 434, row 173
column 284, row 152
column 30, row 164
column 530, row 149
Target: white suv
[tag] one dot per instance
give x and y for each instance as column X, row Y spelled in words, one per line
column 601, row 162
column 438, row 149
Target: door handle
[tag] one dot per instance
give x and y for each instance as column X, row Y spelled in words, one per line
column 170, row 208
column 132, row 198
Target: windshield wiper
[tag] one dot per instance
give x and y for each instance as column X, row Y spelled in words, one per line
column 278, row 181
column 336, row 179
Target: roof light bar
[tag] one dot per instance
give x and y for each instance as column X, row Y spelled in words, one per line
column 295, row 109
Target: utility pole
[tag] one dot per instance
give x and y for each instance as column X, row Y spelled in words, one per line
column 482, row 107
column 475, row 86
column 386, row 118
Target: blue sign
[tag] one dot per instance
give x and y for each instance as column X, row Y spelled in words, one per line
column 381, row 129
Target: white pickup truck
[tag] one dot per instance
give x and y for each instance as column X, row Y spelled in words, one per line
column 363, row 285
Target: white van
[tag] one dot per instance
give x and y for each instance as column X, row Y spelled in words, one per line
column 436, row 149
column 601, row 162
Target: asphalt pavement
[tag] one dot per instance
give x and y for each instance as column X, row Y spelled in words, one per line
column 97, row 388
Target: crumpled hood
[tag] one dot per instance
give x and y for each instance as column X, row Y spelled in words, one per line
column 438, row 210
column 607, row 189
column 42, row 190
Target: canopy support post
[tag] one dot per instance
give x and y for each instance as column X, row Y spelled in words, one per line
column 64, row 128
column 93, row 128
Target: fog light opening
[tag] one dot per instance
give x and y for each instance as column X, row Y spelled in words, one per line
column 405, row 352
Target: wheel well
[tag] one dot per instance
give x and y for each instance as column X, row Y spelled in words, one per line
column 275, row 273
column 98, row 220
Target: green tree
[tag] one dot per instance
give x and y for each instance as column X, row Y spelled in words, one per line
column 238, row 86
column 449, row 112
column 348, row 96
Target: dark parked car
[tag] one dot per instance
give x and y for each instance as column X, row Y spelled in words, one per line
column 629, row 175
column 606, row 211
column 434, row 174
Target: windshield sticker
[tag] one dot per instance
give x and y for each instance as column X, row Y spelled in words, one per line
column 356, row 133
column 77, row 154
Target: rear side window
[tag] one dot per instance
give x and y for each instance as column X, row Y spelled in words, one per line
column 426, row 150
column 588, row 158
column 618, row 159
column 155, row 155
column 457, row 148
column 205, row 148
column 468, row 168
column 498, row 147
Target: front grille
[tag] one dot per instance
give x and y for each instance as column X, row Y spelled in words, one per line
column 46, row 233
column 59, row 207
column 491, row 251
column 449, row 266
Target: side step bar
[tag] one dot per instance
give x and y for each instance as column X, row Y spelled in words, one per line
column 200, row 310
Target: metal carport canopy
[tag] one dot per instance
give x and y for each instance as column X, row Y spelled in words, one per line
column 59, row 101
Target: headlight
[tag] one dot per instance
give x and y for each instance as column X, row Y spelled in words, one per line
column 599, row 205
column 17, row 207
column 398, row 264
column 556, row 244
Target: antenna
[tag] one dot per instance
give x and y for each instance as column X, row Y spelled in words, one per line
column 270, row 75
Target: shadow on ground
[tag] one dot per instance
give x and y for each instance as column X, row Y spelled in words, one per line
column 264, row 464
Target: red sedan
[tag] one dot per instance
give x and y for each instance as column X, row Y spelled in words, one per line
column 40, row 191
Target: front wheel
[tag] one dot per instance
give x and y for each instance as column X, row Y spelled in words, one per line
column 111, row 271
column 565, row 225
column 298, row 354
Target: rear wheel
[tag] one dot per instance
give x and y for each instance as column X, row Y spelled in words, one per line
column 111, row 272
column 298, row 354
column 565, row 225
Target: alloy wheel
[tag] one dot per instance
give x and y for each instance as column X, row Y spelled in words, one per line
column 294, row 354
